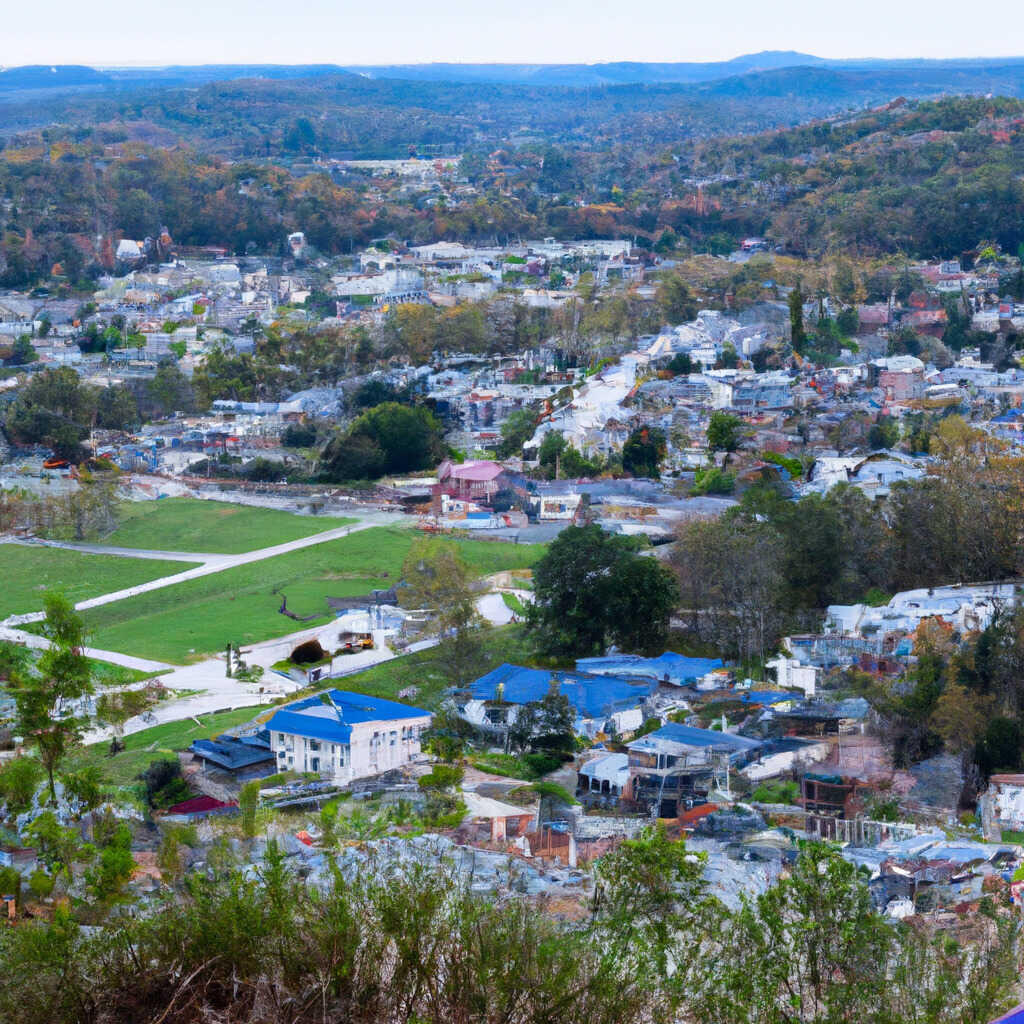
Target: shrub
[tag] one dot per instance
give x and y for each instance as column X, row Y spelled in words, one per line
column 248, row 798
column 18, row 781
column 40, row 884
column 777, row 792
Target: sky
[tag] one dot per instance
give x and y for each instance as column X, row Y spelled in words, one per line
column 126, row 32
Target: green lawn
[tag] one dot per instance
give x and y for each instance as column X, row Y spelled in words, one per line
column 162, row 741
column 28, row 571
column 190, row 524
column 424, row 670
column 198, row 617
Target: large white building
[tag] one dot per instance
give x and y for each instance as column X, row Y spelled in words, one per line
column 346, row 736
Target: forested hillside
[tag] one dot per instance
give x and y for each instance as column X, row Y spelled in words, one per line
column 927, row 178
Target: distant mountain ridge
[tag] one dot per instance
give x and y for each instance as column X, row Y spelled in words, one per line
column 954, row 74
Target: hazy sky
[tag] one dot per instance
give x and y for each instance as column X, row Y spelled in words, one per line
column 542, row 31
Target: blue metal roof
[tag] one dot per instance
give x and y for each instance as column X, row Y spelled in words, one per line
column 316, row 720
column 676, row 668
column 694, row 737
column 233, row 752
column 591, row 695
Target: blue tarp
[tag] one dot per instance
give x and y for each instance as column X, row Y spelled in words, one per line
column 675, row 668
column 591, row 695
column 694, row 737
column 769, row 696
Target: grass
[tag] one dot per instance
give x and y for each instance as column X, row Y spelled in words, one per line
column 513, row 603
column 528, row 767
column 198, row 617
column 29, row 571
column 425, row 671
column 190, row 524
column 155, row 744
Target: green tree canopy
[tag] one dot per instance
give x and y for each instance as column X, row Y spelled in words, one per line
column 593, row 588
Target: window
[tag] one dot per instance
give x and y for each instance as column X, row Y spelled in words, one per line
column 314, row 745
column 394, row 737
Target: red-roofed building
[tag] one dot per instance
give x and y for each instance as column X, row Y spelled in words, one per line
column 200, row 807
column 475, row 481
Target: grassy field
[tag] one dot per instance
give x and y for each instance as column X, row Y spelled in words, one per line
column 162, row 741
column 424, row 670
column 198, row 617
column 28, row 571
column 189, row 524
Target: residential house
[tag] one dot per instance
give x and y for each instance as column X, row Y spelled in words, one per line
column 603, row 704
column 346, row 736
column 603, row 780
column 240, row 756
column 678, row 765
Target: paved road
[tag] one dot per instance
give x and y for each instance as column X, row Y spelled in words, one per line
column 217, row 691
column 110, row 549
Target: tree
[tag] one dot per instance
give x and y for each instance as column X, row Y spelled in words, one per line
column 675, row 300
column 115, row 707
column 681, row 364
column 730, row 574
column 22, row 352
column 439, row 581
column 643, row 451
column 169, row 390
column 959, row 717
column 592, row 588
column 724, row 432
column 85, row 786
column 116, row 409
column 546, row 723
column 55, row 409
column 389, row 438
column 46, row 699
column 517, row 429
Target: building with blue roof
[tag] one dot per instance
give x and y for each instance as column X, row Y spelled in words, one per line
column 346, row 736
column 602, row 703
column 666, row 668
column 241, row 756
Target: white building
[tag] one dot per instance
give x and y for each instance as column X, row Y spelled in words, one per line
column 790, row 674
column 346, row 736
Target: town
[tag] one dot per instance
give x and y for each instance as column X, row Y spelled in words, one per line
column 573, row 593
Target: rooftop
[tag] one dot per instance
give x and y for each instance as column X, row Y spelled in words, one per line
column 333, row 721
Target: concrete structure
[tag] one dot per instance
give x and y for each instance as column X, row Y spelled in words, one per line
column 346, row 736
column 791, row 674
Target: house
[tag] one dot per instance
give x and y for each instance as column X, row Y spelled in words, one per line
column 603, row 704
column 478, row 480
column 500, row 821
column 603, row 779
column 346, row 736
column 676, row 766
column 241, row 756
column 791, row 674
column 784, row 755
